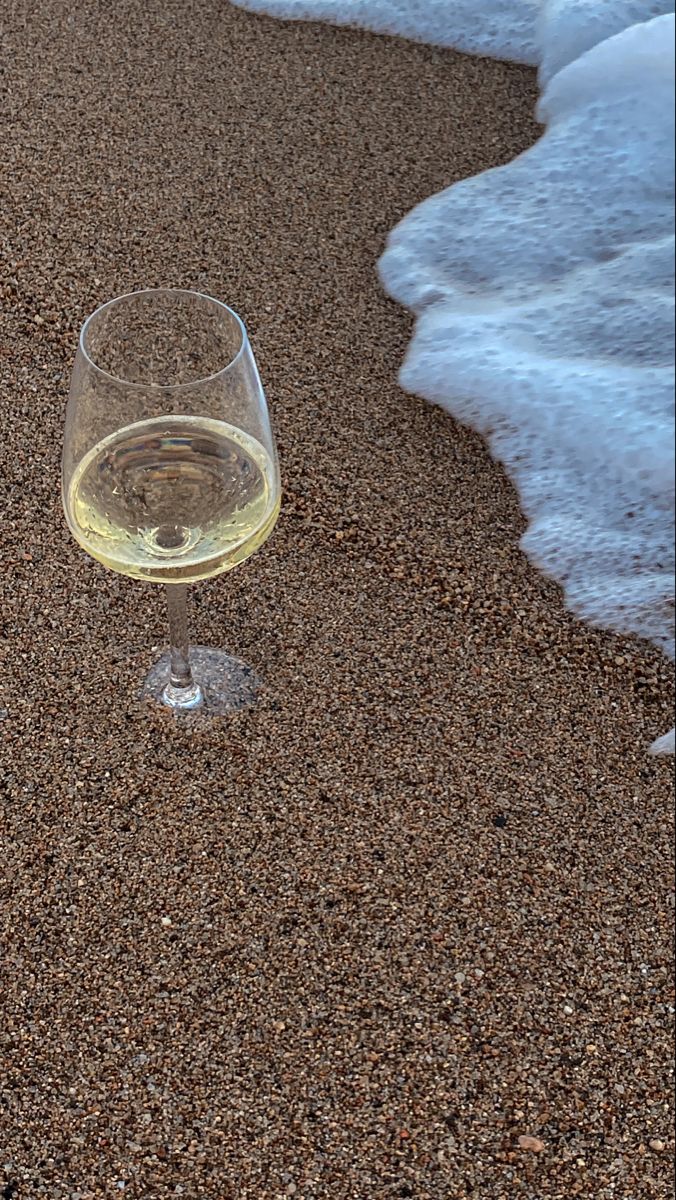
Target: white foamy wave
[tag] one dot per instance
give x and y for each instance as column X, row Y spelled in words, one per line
column 492, row 28
column 544, row 296
column 550, row 32
column 544, row 289
column 568, row 28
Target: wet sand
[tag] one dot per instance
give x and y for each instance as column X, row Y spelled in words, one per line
column 356, row 942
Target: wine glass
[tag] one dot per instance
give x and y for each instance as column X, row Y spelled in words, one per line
column 170, row 470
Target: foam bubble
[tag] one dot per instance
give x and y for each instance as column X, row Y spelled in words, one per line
column 544, row 297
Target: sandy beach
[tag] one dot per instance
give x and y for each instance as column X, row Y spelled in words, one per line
column 417, row 904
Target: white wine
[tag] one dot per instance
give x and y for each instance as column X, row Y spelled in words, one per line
column 173, row 499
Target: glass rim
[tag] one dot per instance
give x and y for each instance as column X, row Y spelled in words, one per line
column 162, row 387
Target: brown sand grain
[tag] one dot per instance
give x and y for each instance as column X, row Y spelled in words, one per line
column 403, row 929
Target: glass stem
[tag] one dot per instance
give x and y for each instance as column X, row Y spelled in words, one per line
column 181, row 691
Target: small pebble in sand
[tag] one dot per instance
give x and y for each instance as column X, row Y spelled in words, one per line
column 532, row 1144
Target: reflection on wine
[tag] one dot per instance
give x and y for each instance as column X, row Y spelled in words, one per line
column 173, row 499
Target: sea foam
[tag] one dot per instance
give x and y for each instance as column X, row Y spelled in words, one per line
column 494, row 28
column 544, row 297
column 567, row 28
column 543, row 291
column 549, row 32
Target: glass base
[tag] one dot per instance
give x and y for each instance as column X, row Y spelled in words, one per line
column 222, row 684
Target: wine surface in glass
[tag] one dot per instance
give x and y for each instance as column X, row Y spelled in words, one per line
column 173, row 499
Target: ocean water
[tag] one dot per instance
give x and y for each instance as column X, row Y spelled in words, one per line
column 544, row 290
